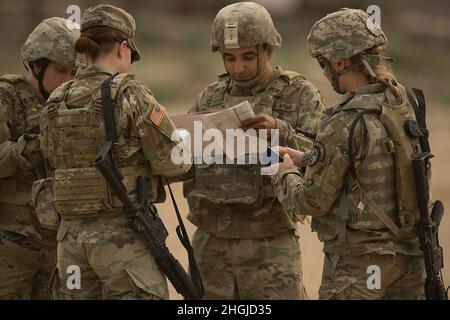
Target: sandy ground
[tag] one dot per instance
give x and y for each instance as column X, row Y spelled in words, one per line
column 438, row 122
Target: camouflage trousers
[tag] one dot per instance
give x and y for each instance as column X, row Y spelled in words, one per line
column 109, row 259
column 401, row 277
column 26, row 265
column 267, row 268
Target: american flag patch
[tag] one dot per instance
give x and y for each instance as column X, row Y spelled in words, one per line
column 157, row 114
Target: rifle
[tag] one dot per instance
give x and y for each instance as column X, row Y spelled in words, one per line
column 428, row 225
column 145, row 221
column 427, row 229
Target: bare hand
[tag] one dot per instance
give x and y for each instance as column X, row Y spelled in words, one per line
column 262, row 121
column 287, row 162
column 32, row 151
column 297, row 157
column 276, row 167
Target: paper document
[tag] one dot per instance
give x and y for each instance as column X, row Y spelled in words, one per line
column 235, row 142
column 229, row 118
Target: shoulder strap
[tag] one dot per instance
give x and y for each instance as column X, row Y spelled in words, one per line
column 417, row 99
column 109, row 89
column 351, row 153
column 354, row 104
column 283, row 81
column 108, row 109
column 293, row 76
column 362, row 109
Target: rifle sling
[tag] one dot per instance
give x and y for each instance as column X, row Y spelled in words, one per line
column 108, row 110
column 184, row 239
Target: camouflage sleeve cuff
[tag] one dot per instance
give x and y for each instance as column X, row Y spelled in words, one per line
column 279, row 176
column 22, row 163
column 284, row 183
column 12, row 161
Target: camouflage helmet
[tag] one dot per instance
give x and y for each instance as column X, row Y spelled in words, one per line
column 105, row 15
column 343, row 34
column 52, row 39
column 243, row 24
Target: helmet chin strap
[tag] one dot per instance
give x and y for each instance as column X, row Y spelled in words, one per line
column 367, row 60
column 254, row 81
column 336, row 74
column 43, row 63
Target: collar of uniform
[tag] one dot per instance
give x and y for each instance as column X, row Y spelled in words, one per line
column 90, row 70
column 370, row 89
column 345, row 98
column 277, row 71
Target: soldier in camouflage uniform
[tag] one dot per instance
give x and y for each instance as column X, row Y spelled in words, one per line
column 246, row 246
column 94, row 234
column 27, row 250
column 350, row 183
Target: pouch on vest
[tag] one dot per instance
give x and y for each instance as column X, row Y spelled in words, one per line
column 80, row 191
column 42, row 198
column 227, row 184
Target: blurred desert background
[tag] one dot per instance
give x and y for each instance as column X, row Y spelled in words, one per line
column 177, row 64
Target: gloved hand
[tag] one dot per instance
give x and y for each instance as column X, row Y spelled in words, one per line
column 32, row 152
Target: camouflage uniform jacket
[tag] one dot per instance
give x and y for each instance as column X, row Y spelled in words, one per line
column 293, row 102
column 143, row 146
column 19, row 113
column 328, row 192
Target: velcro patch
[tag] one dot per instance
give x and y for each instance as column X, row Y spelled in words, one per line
column 157, row 115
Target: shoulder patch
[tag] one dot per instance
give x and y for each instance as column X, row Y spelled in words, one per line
column 316, row 154
column 157, row 115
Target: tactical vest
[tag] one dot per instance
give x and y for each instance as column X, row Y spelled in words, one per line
column 379, row 192
column 17, row 190
column 229, row 184
column 76, row 130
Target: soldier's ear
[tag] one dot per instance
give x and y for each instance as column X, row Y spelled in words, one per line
column 35, row 67
column 343, row 63
column 340, row 65
column 268, row 49
column 121, row 48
